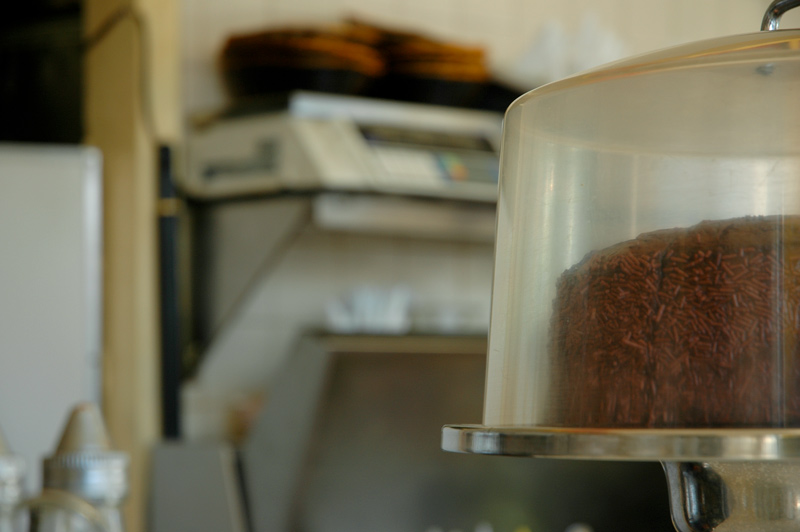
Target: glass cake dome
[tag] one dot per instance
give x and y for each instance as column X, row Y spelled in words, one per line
column 646, row 297
column 647, row 261
column 647, row 267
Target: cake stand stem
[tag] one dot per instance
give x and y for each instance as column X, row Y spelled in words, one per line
column 734, row 496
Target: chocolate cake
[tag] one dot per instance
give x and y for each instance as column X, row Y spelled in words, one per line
column 688, row 327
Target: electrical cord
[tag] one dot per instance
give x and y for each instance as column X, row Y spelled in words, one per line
column 101, row 33
column 106, row 26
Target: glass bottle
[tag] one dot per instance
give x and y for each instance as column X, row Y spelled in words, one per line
column 12, row 469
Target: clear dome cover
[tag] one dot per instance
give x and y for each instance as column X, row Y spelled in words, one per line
column 647, row 269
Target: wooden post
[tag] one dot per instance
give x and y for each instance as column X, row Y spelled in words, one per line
column 131, row 106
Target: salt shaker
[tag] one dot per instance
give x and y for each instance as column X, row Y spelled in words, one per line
column 84, row 481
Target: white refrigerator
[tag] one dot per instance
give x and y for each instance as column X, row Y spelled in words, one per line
column 50, row 292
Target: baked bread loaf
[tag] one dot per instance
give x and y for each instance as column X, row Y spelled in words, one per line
column 692, row 327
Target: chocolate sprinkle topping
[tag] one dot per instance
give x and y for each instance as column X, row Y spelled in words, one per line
column 689, row 327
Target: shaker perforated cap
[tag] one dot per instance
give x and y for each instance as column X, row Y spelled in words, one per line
column 84, row 462
column 12, row 471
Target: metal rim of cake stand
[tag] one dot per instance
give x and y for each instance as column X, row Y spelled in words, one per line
column 695, row 445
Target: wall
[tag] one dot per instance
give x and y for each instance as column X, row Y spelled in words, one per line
column 504, row 27
column 316, row 268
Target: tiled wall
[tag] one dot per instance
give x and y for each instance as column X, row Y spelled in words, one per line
column 505, row 27
column 320, row 266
